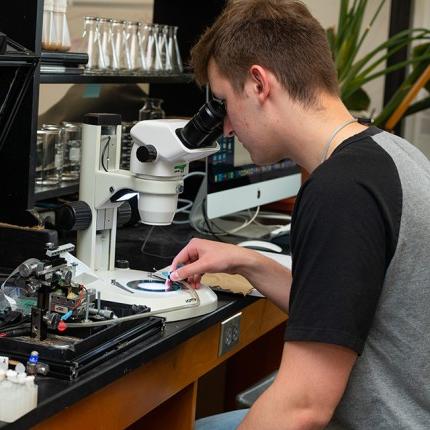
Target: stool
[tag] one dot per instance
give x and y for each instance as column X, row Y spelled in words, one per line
column 246, row 398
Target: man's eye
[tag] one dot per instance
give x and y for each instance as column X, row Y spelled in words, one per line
column 218, row 100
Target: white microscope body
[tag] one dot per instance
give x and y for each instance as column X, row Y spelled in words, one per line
column 159, row 161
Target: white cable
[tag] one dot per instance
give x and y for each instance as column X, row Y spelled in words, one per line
column 185, row 208
column 236, row 229
column 194, row 174
column 190, row 203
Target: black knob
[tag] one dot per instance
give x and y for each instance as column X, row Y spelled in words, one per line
column 122, row 264
column 123, row 214
column 146, row 153
column 73, row 216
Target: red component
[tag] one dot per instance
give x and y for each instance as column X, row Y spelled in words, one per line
column 62, row 326
column 3, row 334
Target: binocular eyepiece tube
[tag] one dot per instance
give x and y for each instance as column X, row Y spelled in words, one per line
column 204, row 127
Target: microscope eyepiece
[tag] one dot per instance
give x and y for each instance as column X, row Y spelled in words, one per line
column 205, row 126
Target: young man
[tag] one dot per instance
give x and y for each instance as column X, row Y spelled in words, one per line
column 358, row 335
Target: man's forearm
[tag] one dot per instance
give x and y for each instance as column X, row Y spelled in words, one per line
column 269, row 277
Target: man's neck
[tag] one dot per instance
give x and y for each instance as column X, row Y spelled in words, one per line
column 310, row 132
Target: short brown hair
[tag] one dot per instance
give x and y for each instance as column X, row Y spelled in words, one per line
column 280, row 35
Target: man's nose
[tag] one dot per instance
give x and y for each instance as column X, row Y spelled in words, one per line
column 228, row 128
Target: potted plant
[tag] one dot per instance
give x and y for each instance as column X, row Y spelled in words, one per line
column 345, row 42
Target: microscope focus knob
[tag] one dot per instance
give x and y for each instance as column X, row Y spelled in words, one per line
column 74, row 216
column 146, row 153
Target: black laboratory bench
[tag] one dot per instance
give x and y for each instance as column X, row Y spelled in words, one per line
column 170, row 378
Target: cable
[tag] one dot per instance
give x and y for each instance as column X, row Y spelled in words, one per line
column 241, row 227
column 184, row 209
column 6, row 98
column 103, row 154
column 205, row 216
column 194, row 174
column 146, row 239
column 17, row 104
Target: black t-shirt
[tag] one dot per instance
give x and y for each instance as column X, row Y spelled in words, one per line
column 344, row 233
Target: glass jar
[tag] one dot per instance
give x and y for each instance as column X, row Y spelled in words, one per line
column 72, row 140
column 56, row 171
column 47, row 164
column 152, row 109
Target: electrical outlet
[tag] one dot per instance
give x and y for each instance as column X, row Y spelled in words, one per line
column 230, row 334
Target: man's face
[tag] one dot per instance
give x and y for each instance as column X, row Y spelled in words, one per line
column 243, row 117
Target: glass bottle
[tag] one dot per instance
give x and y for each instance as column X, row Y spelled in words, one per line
column 49, row 34
column 116, row 42
column 173, row 48
column 105, row 45
column 165, row 56
column 141, row 40
column 124, row 52
column 153, row 61
column 61, row 26
column 89, row 43
column 157, row 110
column 152, row 109
column 132, row 45
column 145, row 111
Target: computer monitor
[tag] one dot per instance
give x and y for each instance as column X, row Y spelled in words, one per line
column 234, row 183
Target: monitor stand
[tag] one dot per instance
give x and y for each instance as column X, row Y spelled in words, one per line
column 266, row 227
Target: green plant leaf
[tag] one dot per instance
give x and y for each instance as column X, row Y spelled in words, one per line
column 345, row 42
column 418, row 106
column 357, row 101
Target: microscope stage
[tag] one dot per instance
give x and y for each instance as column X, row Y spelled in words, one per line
column 139, row 288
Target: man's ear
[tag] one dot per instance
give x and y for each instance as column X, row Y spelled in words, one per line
column 260, row 81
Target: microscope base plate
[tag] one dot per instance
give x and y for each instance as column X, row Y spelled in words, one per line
column 152, row 294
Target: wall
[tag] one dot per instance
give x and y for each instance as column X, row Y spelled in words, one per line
column 327, row 12
column 417, row 127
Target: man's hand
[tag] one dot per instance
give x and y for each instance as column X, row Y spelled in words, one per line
column 205, row 256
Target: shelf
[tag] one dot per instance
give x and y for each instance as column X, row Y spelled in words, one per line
column 43, row 192
column 62, row 78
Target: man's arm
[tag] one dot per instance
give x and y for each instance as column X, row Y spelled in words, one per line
column 205, row 256
column 309, row 385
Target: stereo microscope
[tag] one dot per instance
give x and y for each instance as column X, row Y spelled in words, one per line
column 159, row 161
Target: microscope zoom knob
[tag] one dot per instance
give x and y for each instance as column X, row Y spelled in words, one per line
column 146, row 153
column 123, row 214
column 74, row 216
